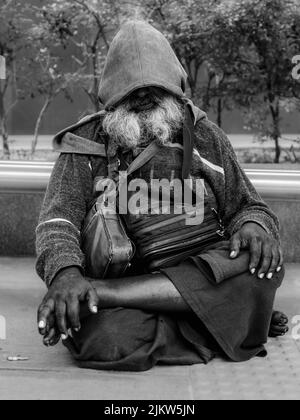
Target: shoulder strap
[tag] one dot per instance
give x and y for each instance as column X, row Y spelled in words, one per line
column 188, row 142
column 143, row 157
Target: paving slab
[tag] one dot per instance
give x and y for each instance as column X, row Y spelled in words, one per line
column 52, row 374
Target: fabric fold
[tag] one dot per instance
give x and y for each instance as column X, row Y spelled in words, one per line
column 236, row 312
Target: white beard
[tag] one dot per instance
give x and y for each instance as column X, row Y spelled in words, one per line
column 129, row 129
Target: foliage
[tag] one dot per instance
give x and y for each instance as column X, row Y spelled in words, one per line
column 269, row 32
column 15, row 41
column 237, row 53
column 85, row 27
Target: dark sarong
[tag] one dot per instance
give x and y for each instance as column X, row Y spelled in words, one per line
column 231, row 316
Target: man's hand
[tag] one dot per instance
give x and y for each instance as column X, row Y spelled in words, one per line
column 63, row 299
column 265, row 252
column 52, row 336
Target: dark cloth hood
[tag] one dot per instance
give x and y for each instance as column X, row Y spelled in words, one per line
column 140, row 56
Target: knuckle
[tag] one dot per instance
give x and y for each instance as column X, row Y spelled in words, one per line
column 254, row 244
column 46, row 301
column 59, row 318
column 61, row 326
column 73, row 313
column 57, row 296
column 60, row 313
column 41, row 309
column 255, row 254
column 91, row 291
column 271, row 242
column 235, row 238
column 257, row 238
column 265, row 265
column 71, row 297
column 73, row 321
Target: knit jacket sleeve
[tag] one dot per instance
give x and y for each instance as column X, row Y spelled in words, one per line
column 242, row 201
column 65, row 206
column 63, row 211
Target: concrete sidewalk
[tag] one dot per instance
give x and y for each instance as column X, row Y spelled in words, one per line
column 51, row 374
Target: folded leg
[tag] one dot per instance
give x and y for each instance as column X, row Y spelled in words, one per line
column 134, row 340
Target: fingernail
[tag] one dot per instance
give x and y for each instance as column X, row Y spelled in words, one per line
column 94, row 309
column 270, row 276
column 233, row 254
column 42, row 325
column 64, row 337
column 261, row 276
column 279, row 269
column 253, row 271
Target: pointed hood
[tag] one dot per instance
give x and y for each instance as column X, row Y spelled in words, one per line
column 140, row 56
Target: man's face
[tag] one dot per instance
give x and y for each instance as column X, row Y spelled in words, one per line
column 145, row 99
column 147, row 114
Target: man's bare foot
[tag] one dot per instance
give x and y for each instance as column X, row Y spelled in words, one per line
column 279, row 325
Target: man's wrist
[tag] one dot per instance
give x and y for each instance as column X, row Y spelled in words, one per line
column 72, row 271
column 254, row 222
column 107, row 293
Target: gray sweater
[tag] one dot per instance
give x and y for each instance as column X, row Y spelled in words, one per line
column 70, row 193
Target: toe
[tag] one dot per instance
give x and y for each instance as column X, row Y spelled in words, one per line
column 278, row 331
column 279, row 318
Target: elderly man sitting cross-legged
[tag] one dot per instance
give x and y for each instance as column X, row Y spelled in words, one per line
column 192, row 291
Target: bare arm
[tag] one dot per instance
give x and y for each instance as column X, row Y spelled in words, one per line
column 153, row 293
column 150, row 292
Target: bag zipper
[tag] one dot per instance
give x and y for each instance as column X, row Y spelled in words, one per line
column 181, row 243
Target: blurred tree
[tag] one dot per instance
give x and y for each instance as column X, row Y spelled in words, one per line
column 14, row 41
column 269, row 32
column 237, row 53
column 87, row 26
column 50, row 80
column 188, row 26
column 84, row 29
column 49, row 77
column 196, row 35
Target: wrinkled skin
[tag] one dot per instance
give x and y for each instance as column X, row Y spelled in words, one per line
column 61, row 305
column 265, row 252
